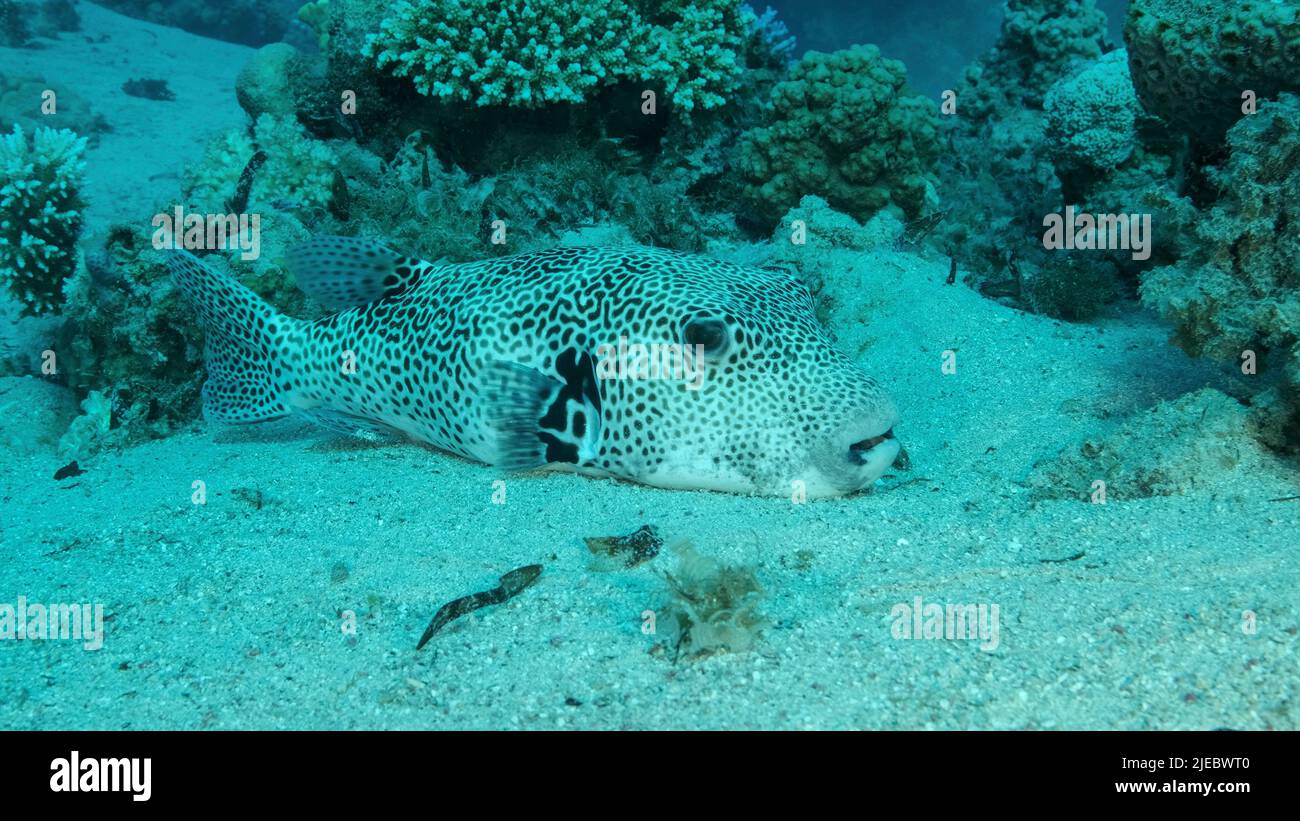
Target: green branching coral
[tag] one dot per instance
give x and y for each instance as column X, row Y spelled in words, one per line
column 1240, row 291
column 40, row 214
column 532, row 54
column 1192, row 59
column 844, row 128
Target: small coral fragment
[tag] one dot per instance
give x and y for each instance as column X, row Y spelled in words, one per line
column 713, row 607
column 631, row 550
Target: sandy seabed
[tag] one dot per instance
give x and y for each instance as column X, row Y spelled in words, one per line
column 1164, row 612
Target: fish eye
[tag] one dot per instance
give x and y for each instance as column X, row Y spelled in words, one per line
column 709, row 333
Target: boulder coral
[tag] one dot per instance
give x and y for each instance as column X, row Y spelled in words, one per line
column 842, row 127
column 531, row 54
column 1091, row 123
column 1192, row 60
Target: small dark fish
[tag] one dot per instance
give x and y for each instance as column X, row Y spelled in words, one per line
column 68, row 471
column 148, row 89
column 512, row 584
column 240, row 201
column 339, row 198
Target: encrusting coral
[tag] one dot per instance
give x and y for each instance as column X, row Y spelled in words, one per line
column 842, row 127
column 298, row 169
column 1192, row 60
column 40, row 214
column 1239, row 291
column 1040, row 40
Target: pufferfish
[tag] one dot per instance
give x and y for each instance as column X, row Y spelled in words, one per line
column 502, row 362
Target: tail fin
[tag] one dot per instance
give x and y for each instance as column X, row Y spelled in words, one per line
column 242, row 348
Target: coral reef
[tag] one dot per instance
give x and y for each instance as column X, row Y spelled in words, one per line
column 1040, row 40
column 1191, row 60
column 528, row 55
column 713, row 608
column 56, row 16
column 842, row 127
column 128, row 335
column 998, row 178
column 1240, row 288
column 15, row 31
column 1195, row 443
column 1049, row 118
column 40, row 214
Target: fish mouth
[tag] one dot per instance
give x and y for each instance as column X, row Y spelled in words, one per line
column 861, row 452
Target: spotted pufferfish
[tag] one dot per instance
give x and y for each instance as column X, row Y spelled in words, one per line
column 495, row 361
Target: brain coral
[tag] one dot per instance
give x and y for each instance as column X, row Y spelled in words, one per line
column 532, row 54
column 1241, row 290
column 1092, row 116
column 40, row 214
column 1192, row 59
column 843, row 128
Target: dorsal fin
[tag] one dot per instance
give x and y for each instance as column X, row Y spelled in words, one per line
column 348, row 272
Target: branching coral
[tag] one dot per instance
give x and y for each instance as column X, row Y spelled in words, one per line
column 1191, row 60
column 1240, row 291
column 529, row 55
column 843, row 128
column 298, row 170
column 40, row 214
column 1039, row 41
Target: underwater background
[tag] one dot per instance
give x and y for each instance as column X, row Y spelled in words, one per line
column 1095, row 524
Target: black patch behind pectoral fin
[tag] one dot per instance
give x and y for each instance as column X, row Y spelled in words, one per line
column 540, row 420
